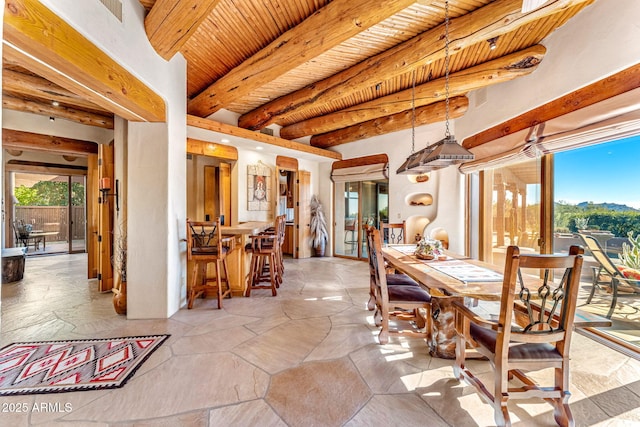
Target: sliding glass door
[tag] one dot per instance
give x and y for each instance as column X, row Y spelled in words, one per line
column 358, row 203
column 77, row 214
column 51, row 212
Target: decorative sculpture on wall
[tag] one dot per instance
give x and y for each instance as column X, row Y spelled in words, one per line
column 258, row 187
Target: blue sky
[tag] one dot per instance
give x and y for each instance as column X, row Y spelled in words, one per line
column 608, row 172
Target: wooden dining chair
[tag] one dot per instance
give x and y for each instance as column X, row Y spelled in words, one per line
column 539, row 338
column 393, row 234
column 206, row 245
column 405, row 301
column 393, row 277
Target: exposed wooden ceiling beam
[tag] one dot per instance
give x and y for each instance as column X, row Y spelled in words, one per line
column 61, row 112
column 495, row 19
column 215, row 126
column 46, row 45
column 34, row 86
column 606, row 88
column 432, row 113
column 211, row 149
column 493, row 72
column 171, row 23
column 305, row 41
column 19, row 140
column 44, row 168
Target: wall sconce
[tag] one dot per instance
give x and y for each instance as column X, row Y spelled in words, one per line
column 105, row 187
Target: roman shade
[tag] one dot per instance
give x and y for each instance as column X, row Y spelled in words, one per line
column 614, row 118
column 374, row 167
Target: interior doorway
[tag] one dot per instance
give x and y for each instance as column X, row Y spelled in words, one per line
column 208, row 189
column 286, row 204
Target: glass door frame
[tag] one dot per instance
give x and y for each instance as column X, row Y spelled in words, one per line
column 356, row 236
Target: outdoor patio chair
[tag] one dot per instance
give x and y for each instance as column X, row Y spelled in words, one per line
column 606, row 274
column 538, row 339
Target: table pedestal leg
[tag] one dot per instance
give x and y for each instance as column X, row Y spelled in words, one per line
column 443, row 331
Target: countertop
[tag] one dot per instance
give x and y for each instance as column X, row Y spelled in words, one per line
column 251, row 227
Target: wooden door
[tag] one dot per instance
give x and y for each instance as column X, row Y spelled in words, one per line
column 225, row 192
column 211, row 210
column 303, row 246
column 105, row 220
column 93, row 209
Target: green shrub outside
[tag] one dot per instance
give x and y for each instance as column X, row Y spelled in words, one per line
column 620, row 223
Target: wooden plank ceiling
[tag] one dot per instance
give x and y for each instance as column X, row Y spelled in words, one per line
column 337, row 71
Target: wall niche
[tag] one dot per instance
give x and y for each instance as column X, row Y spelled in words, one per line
column 419, row 199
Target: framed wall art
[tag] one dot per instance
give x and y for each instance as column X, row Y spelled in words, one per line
column 258, row 187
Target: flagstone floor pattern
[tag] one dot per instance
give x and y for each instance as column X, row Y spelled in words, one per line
column 308, row 357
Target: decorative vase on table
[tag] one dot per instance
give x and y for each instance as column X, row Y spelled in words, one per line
column 429, row 249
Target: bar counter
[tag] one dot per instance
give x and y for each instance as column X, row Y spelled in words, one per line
column 238, row 260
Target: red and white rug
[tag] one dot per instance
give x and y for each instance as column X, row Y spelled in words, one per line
column 74, row 365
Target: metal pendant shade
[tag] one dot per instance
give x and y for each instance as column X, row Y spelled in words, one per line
column 445, row 152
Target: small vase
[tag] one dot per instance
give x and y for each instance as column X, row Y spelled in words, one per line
column 120, row 299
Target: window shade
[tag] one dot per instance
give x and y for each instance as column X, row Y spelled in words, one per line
column 614, row 118
column 371, row 172
column 372, row 167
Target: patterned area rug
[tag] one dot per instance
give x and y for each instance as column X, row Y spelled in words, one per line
column 75, row 365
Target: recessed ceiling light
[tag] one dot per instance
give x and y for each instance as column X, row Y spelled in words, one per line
column 55, row 103
column 258, row 148
column 225, row 141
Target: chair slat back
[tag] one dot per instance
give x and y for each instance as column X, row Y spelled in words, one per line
column 393, row 233
column 281, row 227
column 202, row 235
column 367, row 229
column 376, row 264
column 547, row 311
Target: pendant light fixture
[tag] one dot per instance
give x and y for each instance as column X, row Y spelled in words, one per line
column 447, row 151
column 413, row 161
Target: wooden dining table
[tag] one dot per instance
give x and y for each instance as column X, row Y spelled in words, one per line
column 459, row 278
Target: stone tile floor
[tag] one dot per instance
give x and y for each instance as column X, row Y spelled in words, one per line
column 308, row 357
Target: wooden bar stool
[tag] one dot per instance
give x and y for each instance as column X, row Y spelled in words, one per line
column 205, row 245
column 266, row 259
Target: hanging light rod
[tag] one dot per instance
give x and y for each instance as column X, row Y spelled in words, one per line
column 447, row 151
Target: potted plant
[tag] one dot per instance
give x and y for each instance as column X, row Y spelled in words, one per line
column 318, row 225
column 119, row 262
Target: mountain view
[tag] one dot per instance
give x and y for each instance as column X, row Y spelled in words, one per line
column 607, row 206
